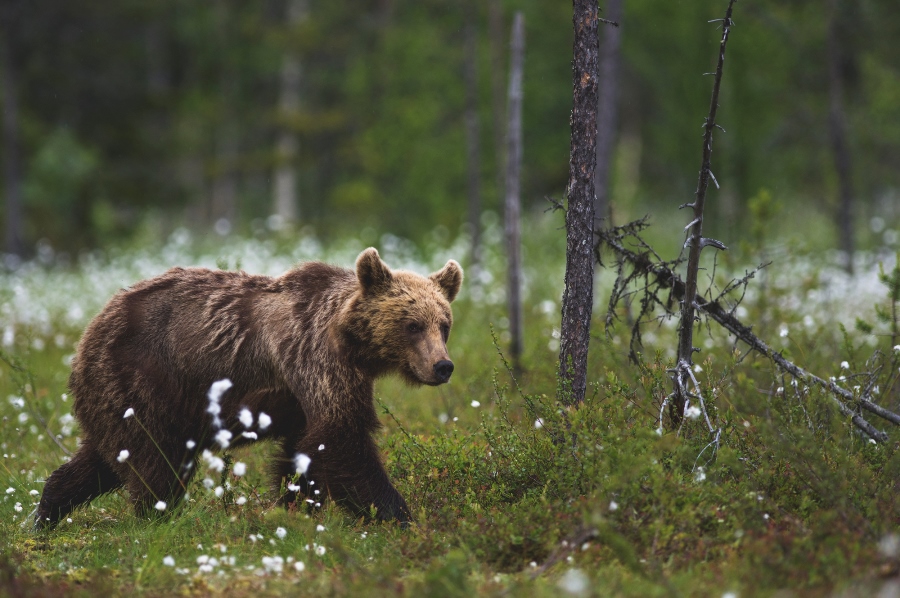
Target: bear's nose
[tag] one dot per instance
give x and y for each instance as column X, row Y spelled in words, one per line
column 443, row 369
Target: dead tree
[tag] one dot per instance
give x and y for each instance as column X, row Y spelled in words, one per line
column 695, row 240
column 513, row 201
column 579, row 292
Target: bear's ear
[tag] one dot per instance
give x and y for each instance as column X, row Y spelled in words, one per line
column 449, row 278
column 373, row 274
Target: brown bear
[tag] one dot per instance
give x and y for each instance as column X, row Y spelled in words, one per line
column 304, row 349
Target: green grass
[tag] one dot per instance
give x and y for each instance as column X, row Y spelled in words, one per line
column 593, row 499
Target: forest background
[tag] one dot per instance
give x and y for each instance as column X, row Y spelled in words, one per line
column 125, row 120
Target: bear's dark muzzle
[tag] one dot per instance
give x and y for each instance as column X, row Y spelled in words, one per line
column 442, row 370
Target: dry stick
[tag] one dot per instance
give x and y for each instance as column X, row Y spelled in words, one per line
column 668, row 279
column 696, row 240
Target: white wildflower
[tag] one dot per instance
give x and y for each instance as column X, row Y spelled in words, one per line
column 299, row 566
column 613, row 505
column 223, row 437
column 699, row 475
column 219, row 491
column 128, row 413
column 246, row 418
column 280, row 533
column 190, row 444
column 240, row 500
column 273, row 564
column 23, row 417
column 216, row 391
column 18, row 507
column 264, row 420
column 783, row 331
column 33, row 492
column 250, row 435
column 320, row 528
column 160, row 505
column 845, row 365
column 321, row 447
column 320, row 550
column 240, row 468
column 208, row 483
column 574, row 582
column 476, row 404
column 168, row 561
column 692, row 412
column 538, row 423
column 10, row 490
column 123, row 456
column 302, row 461
column 17, row 402
column 697, row 368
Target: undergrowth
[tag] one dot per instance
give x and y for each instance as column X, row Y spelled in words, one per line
column 513, row 493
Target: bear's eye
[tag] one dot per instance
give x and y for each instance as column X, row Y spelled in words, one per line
column 413, row 328
column 445, row 331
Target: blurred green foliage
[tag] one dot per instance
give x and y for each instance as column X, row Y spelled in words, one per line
column 135, row 111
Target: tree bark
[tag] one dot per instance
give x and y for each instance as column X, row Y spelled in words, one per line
column 12, row 174
column 578, row 295
column 473, row 145
column 607, row 109
column 513, row 201
column 284, row 200
column 837, row 125
column 223, row 199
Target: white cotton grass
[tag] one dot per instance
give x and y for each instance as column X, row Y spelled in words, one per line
column 302, row 461
column 160, row 505
column 280, row 533
column 223, row 437
column 240, row 468
column 123, row 456
column 574, row 582
column 245, row 417
column 264, row 420
column 692, row 412
column 215, row 393
column 128, row 413
column 168, row 561
column 476, row 403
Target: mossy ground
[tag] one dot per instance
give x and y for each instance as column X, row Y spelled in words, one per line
column 513, row 493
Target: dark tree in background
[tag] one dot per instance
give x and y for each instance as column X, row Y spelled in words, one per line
column 12, row 176
column 579, row 292
column 607, row 109
column 838, row 63
column 473, row 145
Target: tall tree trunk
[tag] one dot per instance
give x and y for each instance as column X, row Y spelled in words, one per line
column 473, row 150
column 223, row 200
column 11, row 171
column 496, row 34
column 607, row 109
column 512, row 203
column 837, row 125
column 579, row 292
column 284, row 200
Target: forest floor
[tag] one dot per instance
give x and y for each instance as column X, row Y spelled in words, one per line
column 793, row 499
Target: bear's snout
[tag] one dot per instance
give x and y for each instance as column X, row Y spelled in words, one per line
column 442, row 370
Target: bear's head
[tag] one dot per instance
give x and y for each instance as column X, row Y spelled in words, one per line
column 402, row 320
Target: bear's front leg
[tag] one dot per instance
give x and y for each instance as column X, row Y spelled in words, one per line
column 346, row 466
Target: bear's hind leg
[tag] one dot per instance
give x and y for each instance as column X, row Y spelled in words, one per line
column 151, row 481
column 82, row 479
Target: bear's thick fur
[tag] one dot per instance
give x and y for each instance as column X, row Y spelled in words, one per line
column 305, row 348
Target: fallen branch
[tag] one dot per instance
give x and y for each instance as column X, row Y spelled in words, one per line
column 648, row 264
